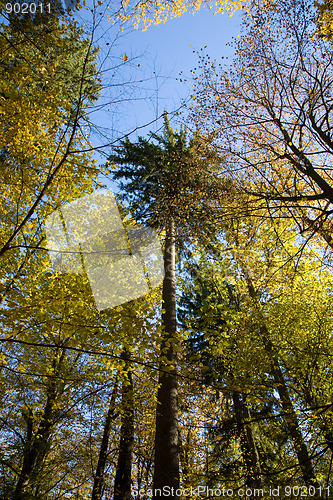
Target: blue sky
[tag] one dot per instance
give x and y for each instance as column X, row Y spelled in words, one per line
column 157, row 56
column 171, row 48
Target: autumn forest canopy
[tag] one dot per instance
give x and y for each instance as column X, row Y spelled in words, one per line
column 166, row 297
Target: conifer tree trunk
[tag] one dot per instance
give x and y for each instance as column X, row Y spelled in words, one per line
column 248, row 445
column 99, row 475
column 122, row 482
column 166, row 472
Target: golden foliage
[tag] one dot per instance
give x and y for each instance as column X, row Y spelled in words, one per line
column 146, row 13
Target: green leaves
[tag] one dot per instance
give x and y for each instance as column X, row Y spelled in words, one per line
column 171, row 176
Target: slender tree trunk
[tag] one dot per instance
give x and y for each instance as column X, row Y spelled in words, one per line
column 36, row 446
column 304, row 459
column 166, row 472
column 248, row 445
column 99, row 475
column 326, row 233
column 294, row 430
column 323, row 423
column 122, row 483
column 184, row 455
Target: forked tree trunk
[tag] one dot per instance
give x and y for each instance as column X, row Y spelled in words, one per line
column 99, row 475
column 166, row 471
column 122, row 482
column 248, row 445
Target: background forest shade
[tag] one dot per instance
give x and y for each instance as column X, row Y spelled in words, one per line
column 221, row 377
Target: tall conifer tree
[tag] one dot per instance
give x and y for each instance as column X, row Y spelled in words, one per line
column 166, row 185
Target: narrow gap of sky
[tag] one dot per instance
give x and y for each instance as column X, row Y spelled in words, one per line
column 162, row 56
column 156, row 74
column 172, row 49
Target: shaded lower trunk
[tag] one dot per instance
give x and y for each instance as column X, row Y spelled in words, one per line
column 248, row 445
column 99, row 475
column 166, row 471
column 36, row 446
column 122, row 482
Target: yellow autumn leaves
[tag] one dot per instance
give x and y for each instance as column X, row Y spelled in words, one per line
column 144, row 14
